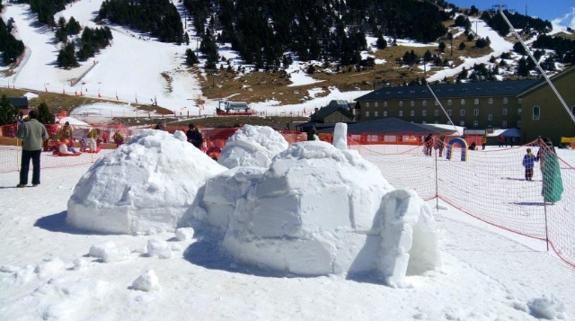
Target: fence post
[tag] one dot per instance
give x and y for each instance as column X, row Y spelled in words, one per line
column 436, row 183
column 546, row 229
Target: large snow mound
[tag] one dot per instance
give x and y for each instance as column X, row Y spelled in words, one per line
column 301, row 216
column 144, row 186
column 252, row 146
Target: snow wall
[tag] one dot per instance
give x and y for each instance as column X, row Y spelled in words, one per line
column 319, row 210
column 252, row 146
column 144, row 186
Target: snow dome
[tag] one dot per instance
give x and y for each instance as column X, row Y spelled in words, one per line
column 144, row 186
column 302, row 215
column 252, row 146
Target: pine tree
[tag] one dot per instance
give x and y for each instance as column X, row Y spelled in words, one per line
column 7, row 112
column 44, row 114
column 462, row 46
column 191, row 58
column 441, row 46
column 522, row 68
column 381, row 43
column 66, row 57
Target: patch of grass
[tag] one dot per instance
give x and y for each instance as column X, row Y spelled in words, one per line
column 60, row 102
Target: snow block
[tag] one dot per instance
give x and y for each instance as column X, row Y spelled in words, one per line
column 146, row 282
column 340, row 136
column 252, row 146
column 144, row 186
column 407, row 237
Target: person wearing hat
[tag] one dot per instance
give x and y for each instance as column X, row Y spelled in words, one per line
column 33, row 135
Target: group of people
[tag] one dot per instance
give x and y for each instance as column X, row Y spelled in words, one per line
column 430, row 143
column 550, row 169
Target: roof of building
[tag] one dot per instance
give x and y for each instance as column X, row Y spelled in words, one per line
column 391, row 125
column 19, row 102
column 470, row 89
column 544, row 83
column 323, row 112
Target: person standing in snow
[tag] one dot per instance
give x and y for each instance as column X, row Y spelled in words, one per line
column 551, row 170
column 65, row 132
column 312, row 134
column 440, row 145
column 33, row 135
column 428, row 144
column 194, row 136
column 529, row 162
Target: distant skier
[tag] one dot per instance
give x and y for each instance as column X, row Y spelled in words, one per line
column 312, row 134
column 529, row 162
column 440, row 145
column 427, row 144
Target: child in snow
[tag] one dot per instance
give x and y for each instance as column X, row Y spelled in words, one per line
column 528, row 162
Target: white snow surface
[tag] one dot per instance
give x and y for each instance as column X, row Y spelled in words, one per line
column 340, row 136
column 147, row 282
column 252, row 146
column 144, row 186
column 486, row 273
column 128, row 70
column 298, row 76
column 498, row 44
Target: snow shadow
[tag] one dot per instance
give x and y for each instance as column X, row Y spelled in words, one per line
column 529, row 203
column 57, row 223
column 207, row 252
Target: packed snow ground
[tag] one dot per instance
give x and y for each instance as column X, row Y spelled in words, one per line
column 45, row 273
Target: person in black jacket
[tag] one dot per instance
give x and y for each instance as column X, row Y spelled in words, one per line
column 194, row 136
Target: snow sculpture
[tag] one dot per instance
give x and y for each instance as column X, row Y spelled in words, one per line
column 340, row 136
column 308, row 213
column 144, row 186
column 407, row 239
column 252, row 146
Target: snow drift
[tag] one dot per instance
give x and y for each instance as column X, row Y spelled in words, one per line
column 319, row 210
column 144, row 186
column 252, row 146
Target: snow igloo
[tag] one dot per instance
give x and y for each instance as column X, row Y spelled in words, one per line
column 252, row 146
column 144, row 186
column 319, row 210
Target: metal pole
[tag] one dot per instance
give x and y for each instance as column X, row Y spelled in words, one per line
column 436, row 184
column 546, row 230
column 440, row 105
column 538, row 66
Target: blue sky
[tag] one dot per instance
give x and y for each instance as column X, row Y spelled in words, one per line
column 546, row 9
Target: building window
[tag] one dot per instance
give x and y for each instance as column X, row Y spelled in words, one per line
column 385, row 113
column 504, row 111
column 505, row 100
column 412, row 103
column 401, row 103
column 424, row 103
column 519, row 124
column 376, row 104
column 490, row 101
column 400, row 113
column 436, row 103
column 476, row 101
column 367, row 104
column 476, row 112
column 385, row 103
column 462, row 112
column 462, row 123
column 519, row 110
column 375, row 113
column 490, row 117
column 449, row 102
column 520, row 100
column 462, row 102
column 475, row 123
column 424, row 113
column 367, row 114
column 450, row 112
column 504, row 124
column 412, row 113
column 536, row 112
column 436, row 112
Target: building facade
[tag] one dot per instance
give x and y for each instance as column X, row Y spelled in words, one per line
column 480, row 105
